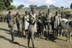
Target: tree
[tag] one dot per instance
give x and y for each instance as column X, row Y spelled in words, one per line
column 11, row 7
column 7, row 2
column 20, row 7
column 42, row 7
column 4, row 4
column 53, row 7
column 62, row 8
column 34, row 6
column 71, row 6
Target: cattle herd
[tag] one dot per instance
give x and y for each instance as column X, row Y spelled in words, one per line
column 41, row 24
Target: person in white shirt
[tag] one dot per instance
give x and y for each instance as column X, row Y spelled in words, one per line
column 25, row 23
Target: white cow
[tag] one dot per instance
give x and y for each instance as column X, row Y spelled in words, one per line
column 67, row 26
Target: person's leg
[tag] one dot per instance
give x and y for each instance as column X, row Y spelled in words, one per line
column 18, row 28
column 28, row 36
column 41, row 30
column 12, row 30
column 28, row 42
column 32, row 39
column 48, row 29
column 57, row 31
column 23, row 30
column 53, row 28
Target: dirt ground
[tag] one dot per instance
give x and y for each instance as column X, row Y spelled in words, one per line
column 5, row 40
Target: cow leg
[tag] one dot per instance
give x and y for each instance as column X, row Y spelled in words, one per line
column 68, row 36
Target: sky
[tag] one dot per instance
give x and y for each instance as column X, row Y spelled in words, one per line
column 59, row 3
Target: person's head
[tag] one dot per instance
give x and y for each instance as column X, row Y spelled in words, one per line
column 9, row 12
column 32, row 10
column 39, row 12
column 56, row 13
column 62, row 13
column 29, row 14
column 26, row 12
column 42, row 14
column 59, row 11
column 17, row 13
column 48, row 11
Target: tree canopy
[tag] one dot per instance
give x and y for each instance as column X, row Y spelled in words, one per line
column 12, row 7
column 5, row 3
column 20, row 7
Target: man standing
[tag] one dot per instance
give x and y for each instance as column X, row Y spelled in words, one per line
column 57, row 23
column 18, row 19
column 43, row 22
column 10, row 21
column 49, row 16
column 32, row 27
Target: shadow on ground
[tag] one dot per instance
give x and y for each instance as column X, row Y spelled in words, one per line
column 16, row 34
column 12, row 42
column 50, row 37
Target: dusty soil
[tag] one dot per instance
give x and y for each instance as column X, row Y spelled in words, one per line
column 5, row 40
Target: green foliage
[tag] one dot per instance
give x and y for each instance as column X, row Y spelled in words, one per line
column 34, row 6
column 4, row 4
column 52, row 7
column 43, row 7
column 20, row 7
column 12, row 7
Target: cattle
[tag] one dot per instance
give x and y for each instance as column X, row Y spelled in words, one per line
column 67, row 27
